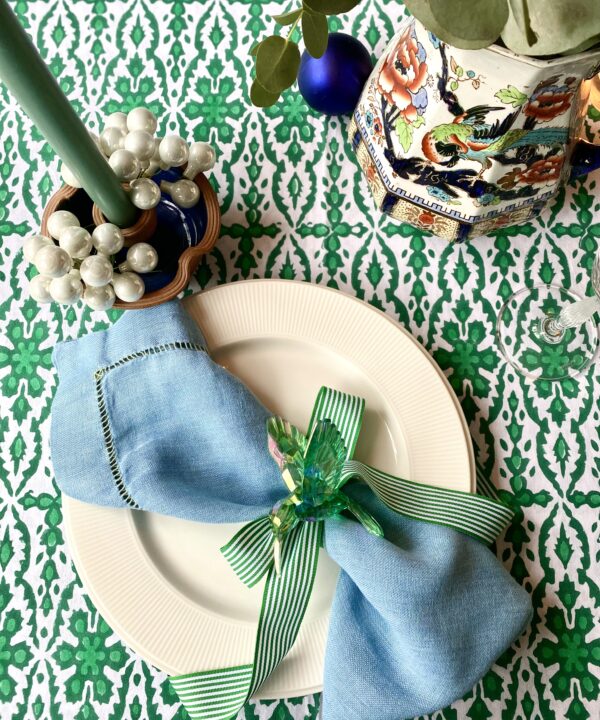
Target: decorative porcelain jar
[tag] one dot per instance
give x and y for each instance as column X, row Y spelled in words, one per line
column 461, row 142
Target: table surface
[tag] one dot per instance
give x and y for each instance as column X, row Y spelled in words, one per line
column 294, row 206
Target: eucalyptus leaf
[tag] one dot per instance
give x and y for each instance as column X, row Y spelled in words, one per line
column 331, row 7
column 261, row 97
column 288, row 18
column 472, row 21
column 520, row 12
column 482, row 20
column 557, row 27
column 277, row 63
column 315, row 32
column 590, row 43
column 254, row 49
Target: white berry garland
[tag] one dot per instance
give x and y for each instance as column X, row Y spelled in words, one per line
column 76, row 263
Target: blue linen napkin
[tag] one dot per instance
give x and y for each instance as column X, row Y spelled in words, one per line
column 143, row 418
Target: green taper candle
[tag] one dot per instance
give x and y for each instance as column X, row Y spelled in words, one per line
column 26, row 76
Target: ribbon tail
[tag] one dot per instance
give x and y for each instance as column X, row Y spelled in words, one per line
column 215, row 694
column 482, row 518
column 221, row 694
column 285, row 599
column 250, row 551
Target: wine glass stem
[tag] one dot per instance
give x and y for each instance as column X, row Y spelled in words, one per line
column 572, row 315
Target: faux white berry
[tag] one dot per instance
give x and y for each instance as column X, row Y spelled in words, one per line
column 60, row 220
column 96, row 140
column 39, row 289
column 69, row 176
column 142, row 258
column 184, row 193
column 156, row 155
column 128, row 286
column 125, row 164
column 76, row 241
column 66, row 289
column 53, row 261
column 152, row 169
column 140, row 143
column 107, row 239
column 111, row 140
column 118, row 120
column 32, row 244
column 96, row 270
column 141, row 118
column 99, row 298
column 202, row 157
column 144, row 193
column 173, row 151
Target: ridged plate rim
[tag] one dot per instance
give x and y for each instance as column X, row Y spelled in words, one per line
column 271, row 309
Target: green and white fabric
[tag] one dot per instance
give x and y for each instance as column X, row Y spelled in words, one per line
column 295, row 205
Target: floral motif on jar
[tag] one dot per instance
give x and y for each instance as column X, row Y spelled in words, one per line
column 546, row 171
column 467, row 136
column 404, row 75
column 550, row 99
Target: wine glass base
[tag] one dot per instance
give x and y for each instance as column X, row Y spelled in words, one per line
column 522, row 334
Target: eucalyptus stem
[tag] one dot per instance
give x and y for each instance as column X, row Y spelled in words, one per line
column 295, row 24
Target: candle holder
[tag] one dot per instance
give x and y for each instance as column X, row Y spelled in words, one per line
column 78, row 202
column 184, row 235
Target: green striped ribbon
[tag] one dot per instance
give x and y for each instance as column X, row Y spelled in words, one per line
column 221, row 694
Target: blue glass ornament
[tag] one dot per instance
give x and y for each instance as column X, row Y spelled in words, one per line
column 332, row 84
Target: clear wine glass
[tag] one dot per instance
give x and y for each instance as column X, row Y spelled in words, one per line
column 548, row 333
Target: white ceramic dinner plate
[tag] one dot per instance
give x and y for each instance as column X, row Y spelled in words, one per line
column 161, row 583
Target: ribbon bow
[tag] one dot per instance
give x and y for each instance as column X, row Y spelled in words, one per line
column 284, row 545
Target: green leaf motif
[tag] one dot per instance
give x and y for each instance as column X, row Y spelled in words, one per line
column 593, row 112
column 331, row 7
column 250, row 713
column 511, row 96
column 281, row 712
column 6, row 550
column 405, row 133
column 277, row 63
column 288, row 18
column 563, row 548
column 316, row 33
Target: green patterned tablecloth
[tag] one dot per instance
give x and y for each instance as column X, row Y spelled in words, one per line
column 294, row 206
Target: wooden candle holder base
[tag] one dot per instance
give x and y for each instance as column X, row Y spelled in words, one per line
column 89, row 215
